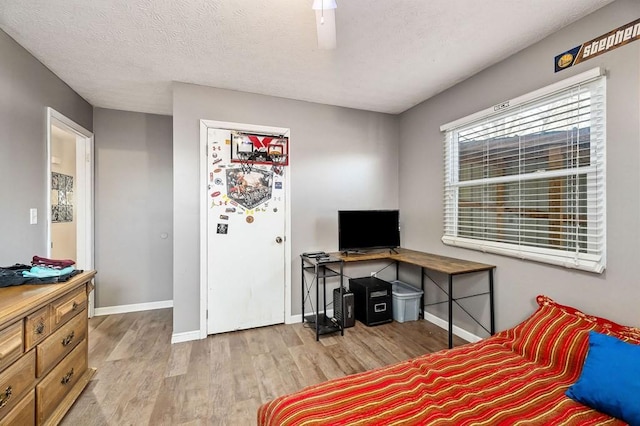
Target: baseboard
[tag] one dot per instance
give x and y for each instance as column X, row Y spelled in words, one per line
column 298, row 318
column 463, row 334
column 187, row 336
column 292, row 319
column 136, row 307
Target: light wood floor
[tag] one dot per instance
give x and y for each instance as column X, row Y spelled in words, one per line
column 144, row 380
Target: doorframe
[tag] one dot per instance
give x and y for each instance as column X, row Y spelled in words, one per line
column 83, row 198
column 204, row 265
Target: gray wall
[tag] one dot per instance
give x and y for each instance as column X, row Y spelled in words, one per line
column 27, row 87
column 340, row 159
column 133, row 200
column 616, row 292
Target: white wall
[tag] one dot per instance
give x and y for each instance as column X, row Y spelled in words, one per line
column 340, row 159
column 613, row 294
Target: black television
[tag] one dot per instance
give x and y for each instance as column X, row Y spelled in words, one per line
column 368, row 229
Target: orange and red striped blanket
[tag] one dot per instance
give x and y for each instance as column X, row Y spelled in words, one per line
column 518, row 376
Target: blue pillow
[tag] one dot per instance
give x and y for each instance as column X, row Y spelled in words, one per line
column 610, row 378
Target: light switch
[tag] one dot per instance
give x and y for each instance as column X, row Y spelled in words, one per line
column 33, row 216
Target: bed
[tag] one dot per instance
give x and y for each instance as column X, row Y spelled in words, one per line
column 517, row 376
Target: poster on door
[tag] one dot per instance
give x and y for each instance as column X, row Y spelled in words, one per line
column 248, row 188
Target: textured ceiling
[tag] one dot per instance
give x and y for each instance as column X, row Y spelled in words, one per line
column 391, row 55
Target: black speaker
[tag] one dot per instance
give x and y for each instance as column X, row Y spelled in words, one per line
column 373, row 300
column 346, row 307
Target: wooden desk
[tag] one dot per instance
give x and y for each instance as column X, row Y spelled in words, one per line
column 433, row 262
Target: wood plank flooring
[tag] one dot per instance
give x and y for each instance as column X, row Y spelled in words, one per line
column 144, row 380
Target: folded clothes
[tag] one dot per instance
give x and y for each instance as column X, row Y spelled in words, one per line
column 43, row 272
column 53, row 263
column 12, row 275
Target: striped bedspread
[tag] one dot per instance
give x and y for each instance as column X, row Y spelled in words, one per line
column 517, row 377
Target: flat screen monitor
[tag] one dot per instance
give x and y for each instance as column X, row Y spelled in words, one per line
column 368, row 229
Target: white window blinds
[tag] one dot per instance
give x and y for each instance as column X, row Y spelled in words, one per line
column 529, row 180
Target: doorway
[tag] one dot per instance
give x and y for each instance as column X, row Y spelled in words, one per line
column 70, row 193
column 245, row 221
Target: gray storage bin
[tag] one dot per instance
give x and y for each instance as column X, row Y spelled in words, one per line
column 406, row 301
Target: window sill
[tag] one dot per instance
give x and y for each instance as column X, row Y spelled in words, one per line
column 583, row 262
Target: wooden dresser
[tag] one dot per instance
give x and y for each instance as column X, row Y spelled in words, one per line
column 43, row 350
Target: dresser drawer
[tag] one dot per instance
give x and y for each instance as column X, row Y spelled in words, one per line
column 55, row 385
column 37, row 326
column 16, row 381
column 24, row 413
column 65, row 308
column 61, row 342
column 11, row 344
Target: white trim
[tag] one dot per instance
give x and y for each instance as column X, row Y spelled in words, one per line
column 204, row 256
column 512, row 103
column 67, row 123
column 293, row 319
column 134, row 307
column 462, row 333
column 187, row 336
column 85, row 198
column 581, row 261
column 202, row 176
column 287, row 236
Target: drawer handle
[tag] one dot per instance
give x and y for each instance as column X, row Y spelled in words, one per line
column 5, row 396
column 39, row 329
column 68, row 339
column 67, row 377
column 75, row 305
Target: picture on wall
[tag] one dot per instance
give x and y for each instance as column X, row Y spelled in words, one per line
column 61, row 198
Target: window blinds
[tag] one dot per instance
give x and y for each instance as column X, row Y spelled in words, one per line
column 530, row 181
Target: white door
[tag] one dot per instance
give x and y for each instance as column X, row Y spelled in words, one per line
column 245, row 236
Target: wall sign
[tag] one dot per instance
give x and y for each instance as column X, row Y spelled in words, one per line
column 599, row 45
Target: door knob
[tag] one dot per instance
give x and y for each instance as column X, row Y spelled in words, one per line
column 278, row 240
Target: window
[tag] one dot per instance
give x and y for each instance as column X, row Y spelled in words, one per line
column 526, row 178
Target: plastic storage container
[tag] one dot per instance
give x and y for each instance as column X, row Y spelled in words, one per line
column 406, row 301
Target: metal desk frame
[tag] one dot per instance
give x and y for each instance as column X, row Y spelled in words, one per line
column 319, row 270
column 433, row 262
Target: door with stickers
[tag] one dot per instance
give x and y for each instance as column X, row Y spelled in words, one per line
column 246, row 205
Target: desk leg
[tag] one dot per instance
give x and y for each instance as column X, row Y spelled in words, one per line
column 317, row 304
column 421, row 310
column 450, row 311
column 303, row 287
column 491, row 305
column 344, row 314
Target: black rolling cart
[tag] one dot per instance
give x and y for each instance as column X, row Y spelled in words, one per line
column 316, row 268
